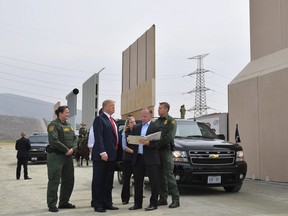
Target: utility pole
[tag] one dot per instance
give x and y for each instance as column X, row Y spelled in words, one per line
column 200, row 107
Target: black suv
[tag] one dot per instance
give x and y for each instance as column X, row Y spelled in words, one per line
column 202, row 158
column 38, row 141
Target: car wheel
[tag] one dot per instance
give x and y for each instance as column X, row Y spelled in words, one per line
column 120, row 177
column 234, row 188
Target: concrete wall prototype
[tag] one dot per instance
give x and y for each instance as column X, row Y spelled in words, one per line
column 90, row 97
column 269, row 26
column 258, row 95
column 138, row 75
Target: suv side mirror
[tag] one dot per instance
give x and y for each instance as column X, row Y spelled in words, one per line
column 221, row 136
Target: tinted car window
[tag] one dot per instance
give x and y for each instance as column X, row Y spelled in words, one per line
column 38, row 139
column 194, row 129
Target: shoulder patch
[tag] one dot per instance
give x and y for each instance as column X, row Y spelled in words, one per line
column 51, row 128
column 173, row 122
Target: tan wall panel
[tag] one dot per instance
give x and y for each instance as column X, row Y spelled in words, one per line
column 89, row 100
column 151, row 53
column 138, row 98
column 141, row 61
column 269, row 132
column 133, row 65
column 131, row 100
column 124, row 103
column 284, row 23
column 261, row 90
column 144, row 91
column 125, row 71
column 273, row 125
column 137, row 113
column 268, row 26
column 243, row 108
column 141, row 99
column 142, row 73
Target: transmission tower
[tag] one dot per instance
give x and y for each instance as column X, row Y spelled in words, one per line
column 200, row 107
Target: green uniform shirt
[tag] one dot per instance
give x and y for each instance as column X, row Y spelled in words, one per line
column 61, row 136
column 168, row 130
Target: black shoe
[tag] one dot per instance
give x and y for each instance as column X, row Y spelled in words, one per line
column 150, row 208
column 99, row 210
column 92, row 205
column 161, row 202
column 112, row 208
column 53, row 209
column 66, row 206
column 174, row 204
column 27, row 178
column 17, row 178
column 125, row 202
column 135, row 207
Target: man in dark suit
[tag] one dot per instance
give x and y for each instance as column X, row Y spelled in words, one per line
column 22, row 146
column 145, row 160
column 104, row 156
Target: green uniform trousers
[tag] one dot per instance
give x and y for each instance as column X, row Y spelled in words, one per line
column 168, row 184
column 60, row 168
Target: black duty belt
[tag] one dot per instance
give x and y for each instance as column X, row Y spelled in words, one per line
column 57, row 151
column 50, row 150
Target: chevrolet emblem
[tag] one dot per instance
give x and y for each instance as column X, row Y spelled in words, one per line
column 213, row 156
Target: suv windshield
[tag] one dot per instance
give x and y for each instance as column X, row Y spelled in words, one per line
column 38, row 139
column 194, row 129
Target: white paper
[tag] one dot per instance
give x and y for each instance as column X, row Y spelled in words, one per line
column 154, row 136
column 136, row 139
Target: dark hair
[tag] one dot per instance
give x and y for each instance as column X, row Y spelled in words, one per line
column 100, row 111
column 166, row 105
column 60, row 109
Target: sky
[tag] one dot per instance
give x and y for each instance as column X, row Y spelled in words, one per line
column 50, row 47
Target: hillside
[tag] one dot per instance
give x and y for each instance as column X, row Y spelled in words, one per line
column 16, row 105
column 18, row 113
column 12, row 126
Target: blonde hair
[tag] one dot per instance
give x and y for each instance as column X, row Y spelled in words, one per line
column 106, row 102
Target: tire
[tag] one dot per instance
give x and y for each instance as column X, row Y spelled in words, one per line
column 233, row 189
column 120, row 177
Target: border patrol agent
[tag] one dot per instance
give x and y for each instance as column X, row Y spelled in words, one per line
column 167, row 179
column 83, row 130
column 62, row 145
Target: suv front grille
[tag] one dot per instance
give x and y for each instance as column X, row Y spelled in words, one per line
column 203, row 157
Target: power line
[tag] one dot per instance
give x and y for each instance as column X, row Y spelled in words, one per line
column 30, row 78
column 45, row 65
column 33, row 84
column 32, row 93
column 54, row 40
column 23, row 68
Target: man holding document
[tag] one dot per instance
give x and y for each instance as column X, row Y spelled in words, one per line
column 145, row 159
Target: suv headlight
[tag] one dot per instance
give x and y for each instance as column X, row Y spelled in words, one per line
column 180, row 156
column 239, row 156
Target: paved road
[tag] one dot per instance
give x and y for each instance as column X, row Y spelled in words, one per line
column 19, row 197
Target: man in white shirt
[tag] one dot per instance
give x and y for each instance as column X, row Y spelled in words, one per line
column 91, row 138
